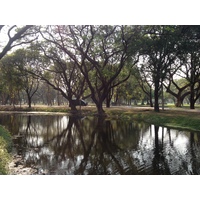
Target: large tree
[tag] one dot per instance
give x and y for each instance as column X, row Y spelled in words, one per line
column 100, row 52
column 159, row 53
column 189, row 55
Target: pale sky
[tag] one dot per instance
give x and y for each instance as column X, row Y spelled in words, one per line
column 110, row 12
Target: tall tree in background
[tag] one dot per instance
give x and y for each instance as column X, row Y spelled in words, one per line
column 189, row 48
column 145, row 82
column 19, row 79
column 159, row 53
column 13, row 36
column 178, row 88
column 11, row 80
column 48, row 64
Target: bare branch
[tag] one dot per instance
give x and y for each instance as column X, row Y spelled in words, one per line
column 1, row 26
column 9, row 36
column 17, row 36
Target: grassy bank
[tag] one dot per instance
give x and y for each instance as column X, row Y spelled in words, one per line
column 180, row 119
column 177, row 118
column 5, row 148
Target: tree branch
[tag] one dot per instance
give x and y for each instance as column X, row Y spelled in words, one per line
column 9, row 46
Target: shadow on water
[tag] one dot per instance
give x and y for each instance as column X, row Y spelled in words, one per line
column 97, row 145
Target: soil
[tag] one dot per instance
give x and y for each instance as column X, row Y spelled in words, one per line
column 17, row 167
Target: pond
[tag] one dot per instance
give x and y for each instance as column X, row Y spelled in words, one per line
column 59, row 144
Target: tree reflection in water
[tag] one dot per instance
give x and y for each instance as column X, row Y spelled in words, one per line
column 97, row 145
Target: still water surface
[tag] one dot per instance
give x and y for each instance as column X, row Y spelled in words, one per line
column 58, row 144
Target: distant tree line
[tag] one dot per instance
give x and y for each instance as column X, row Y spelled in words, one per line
column 102, row 64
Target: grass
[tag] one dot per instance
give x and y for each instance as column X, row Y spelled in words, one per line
column 5, row 148
column 182, row 118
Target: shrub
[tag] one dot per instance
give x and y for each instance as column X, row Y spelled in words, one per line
column 5, row 148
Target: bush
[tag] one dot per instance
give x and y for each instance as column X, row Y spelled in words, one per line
column 5, row 148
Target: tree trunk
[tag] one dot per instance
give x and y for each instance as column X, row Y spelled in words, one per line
column 29, row 101
column 108, row 102
column 100, row 108
column 109, row 98
column 192, row 101
column 179, row 102
column 58, row 98
column 162, row 98
column 151, row 102
column 156, row 97
column 142, row 102
column 150, row 98
column 72, row 106
column 20, row 100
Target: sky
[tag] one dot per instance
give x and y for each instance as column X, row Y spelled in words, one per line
column 110, row 12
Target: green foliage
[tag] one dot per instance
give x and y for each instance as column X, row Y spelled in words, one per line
column 5, row 148
column 98, row 59
column 11, row 79
column 7, row 137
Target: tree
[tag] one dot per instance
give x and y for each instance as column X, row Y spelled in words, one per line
column 159, row 53
column 14, row 64
column 56, row 70
column 124, row 89
column 31, row 87
column 100, row 53
column 12, row 36
column 190, row 59
column 145, row 82
column 11, row 80
column 16, row 36
column 179, row 89
column 128, row 91
column 68, row 78
column 47, row 95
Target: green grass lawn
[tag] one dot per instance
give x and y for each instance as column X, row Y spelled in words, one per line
column 177, row 118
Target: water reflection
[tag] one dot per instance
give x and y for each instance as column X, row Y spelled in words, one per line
column 92, row 145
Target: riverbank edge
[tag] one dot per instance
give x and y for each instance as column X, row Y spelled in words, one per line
column 174, row 118
column 179, row 119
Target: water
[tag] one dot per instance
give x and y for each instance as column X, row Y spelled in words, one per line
column 57, row 144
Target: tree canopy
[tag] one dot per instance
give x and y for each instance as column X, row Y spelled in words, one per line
column 101, row 62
